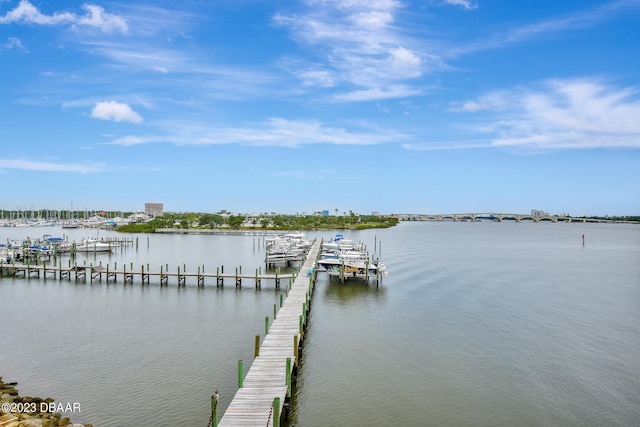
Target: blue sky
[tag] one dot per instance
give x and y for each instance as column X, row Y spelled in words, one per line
column 432, row 106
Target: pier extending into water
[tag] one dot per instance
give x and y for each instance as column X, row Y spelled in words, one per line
column 263, row 394
column 97, row 273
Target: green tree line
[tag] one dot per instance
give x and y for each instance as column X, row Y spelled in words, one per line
column 209, row 221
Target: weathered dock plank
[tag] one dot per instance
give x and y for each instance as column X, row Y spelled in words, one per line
column 95, row 273
column 269, row 377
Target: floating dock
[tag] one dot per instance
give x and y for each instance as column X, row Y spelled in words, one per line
column 263, row 394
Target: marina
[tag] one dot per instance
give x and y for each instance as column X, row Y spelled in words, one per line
column 344, row 259
column 505, row 322
column 33, row 260
column 48, row 247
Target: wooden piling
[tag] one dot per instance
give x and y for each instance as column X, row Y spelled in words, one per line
column 256, row 347
column 214, row 409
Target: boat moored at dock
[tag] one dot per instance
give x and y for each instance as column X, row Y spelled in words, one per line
column 94, row 245
column 346, row 259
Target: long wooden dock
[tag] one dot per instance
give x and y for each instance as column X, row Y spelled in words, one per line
column 98, row 273
column 264, row 392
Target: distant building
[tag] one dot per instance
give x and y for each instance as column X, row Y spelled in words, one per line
column 538, row 213
column 138, row 218
column 325, row 213
column 375, row 213
column 153, row 209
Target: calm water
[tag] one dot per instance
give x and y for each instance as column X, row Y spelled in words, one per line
column 478, row 324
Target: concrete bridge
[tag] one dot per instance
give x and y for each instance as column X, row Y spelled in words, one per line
column 493, row 216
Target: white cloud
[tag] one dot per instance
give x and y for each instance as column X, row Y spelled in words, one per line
column 492, row 101
column 95, row 17
column 585, row 18
column 98, row 18
column 322, row 78
column 275, row 132
column 404, row 63
column 31, row 165
column 27, row 13
column 116, row 111
column 362, row 44
column 468, row 106
column 581, row 113
column 13, row 43
column 129, row 140
column 466, row 4
column 447, row 145
column 396, row 91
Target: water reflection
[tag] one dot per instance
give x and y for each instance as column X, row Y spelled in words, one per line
column 351, row 292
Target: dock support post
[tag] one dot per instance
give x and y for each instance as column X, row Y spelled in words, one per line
column 240, row 373
column 304, row 314
column 288, row 376
column 219, row 280
column 256, row 347
column 295, row 349
column 214, row 409
column 276, row 412
column 300, row 324
column 275, row 311
column 266, row 325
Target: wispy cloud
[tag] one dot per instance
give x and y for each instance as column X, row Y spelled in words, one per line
column 94, row 17
column 447, row 145
column 466, row 4
column 30, row 165
column 137, row 55
column 580, row 113
column 357, row 44
column 130, row 140
column 13, row 43
column 586, row 18
column 275, row 132
column 116, row 111
column 394, row 91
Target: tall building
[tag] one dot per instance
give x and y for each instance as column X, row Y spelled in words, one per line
column 153, row 209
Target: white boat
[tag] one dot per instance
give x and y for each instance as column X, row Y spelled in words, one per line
column 94, row 245
column 350, row 269
column 346, row 259
column 287, row 248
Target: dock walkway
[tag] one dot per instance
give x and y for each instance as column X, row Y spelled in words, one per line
column 96, row 273
column 266, row 388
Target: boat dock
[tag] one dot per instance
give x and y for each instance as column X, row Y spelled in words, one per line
column 98, row 273
column 263, row 394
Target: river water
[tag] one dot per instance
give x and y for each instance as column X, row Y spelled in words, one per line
column 478, row 323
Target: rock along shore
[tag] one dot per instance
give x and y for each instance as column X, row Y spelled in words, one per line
column 25, row 411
